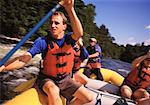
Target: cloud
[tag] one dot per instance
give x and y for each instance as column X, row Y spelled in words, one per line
column 147, row 27
column 147, row 42
column 131, row 41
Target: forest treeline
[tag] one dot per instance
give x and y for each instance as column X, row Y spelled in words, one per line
column 18, row 17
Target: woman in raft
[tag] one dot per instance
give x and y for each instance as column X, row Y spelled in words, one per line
column 137, row 83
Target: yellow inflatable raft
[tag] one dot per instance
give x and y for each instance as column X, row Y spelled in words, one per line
column 109, row 76
column 31, row 97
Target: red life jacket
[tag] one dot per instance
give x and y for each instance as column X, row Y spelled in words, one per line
column 58, row 60
column 77, row 60
column 137, row 79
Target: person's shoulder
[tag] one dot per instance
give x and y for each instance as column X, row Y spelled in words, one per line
column 40, row 42
column 69, row 39
column 97, row 46
column 40, row 39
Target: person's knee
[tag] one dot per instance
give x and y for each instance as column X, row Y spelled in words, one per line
column 141, row 93
column 79, row 77
column 88, row 98
column 84, row 95
column 126, row 92
column 144, row 101
column 50, row 88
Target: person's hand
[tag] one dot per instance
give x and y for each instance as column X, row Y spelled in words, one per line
column 144, row 101
column 2, row 68
column 80, row 42
column 67, row 4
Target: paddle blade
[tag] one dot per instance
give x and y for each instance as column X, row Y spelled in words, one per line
column 25, row 86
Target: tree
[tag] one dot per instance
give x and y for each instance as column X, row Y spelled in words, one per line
column 18, row 17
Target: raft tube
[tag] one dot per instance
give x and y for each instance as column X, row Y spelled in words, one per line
column 108, row 76
column 32, row 97
column 102, row 86
column 103, row 98
column 29, row 97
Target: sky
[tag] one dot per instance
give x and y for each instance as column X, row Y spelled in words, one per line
column 128, row 21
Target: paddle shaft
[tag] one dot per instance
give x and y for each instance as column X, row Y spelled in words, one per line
column 39, row 24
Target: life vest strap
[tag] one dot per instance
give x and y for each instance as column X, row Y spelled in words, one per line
column 61, row 54
column 58, row 65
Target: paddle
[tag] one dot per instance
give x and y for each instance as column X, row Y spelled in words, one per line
column 25, row 85
column 36, row 27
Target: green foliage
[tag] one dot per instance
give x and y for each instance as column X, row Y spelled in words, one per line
column 18, row 17
column 131, row 52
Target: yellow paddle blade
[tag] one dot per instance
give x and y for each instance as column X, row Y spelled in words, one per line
column 25, row 86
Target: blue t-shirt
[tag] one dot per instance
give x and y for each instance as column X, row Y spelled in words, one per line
column 97, row 48
column 40, row 44
column 94, row 49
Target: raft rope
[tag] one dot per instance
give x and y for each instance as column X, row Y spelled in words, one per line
column 98, row 97
column 119, row 101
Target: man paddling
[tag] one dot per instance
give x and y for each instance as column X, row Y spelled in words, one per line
column 58, row 56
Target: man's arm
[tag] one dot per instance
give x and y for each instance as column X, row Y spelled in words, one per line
column 75, row 22
column 17, row 62
column 136, row 62
column 97, row 53
column 94, row 55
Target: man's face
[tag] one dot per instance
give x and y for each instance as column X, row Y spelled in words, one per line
column 57, row 27
column 92, row 43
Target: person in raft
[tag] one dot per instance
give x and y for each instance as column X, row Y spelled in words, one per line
column 81, row 56
column 80, row 62
column 137, row 83
column 94, row 62
column 58, row 58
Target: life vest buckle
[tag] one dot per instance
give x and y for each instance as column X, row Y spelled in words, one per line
column 62, row 54
column 58, row 65
column 61, row 76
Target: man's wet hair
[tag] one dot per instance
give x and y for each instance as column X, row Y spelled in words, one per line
column 61, row 14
